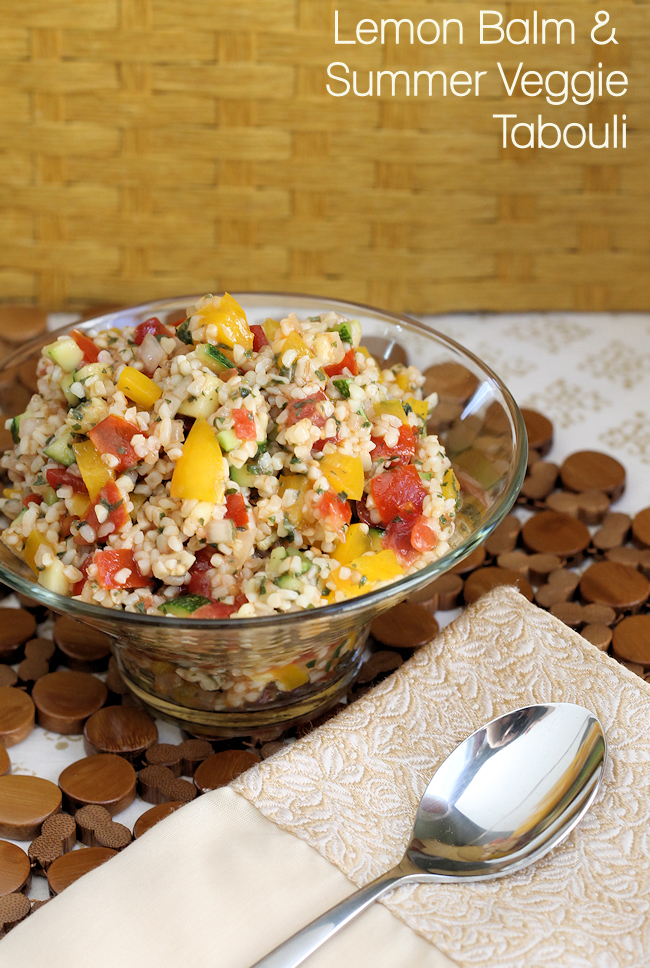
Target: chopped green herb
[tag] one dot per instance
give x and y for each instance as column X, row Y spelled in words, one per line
column 183, row 332
column 140, row 607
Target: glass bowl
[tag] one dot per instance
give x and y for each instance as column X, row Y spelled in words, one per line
column 228, row 677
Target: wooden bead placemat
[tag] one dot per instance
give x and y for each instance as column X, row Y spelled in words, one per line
column 566, row 548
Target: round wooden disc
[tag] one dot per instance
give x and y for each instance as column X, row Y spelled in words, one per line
column 8, row 677
column 378, row 666
column 16, row 626
column 40, row 649
column 126, row 730
column 70, row 867
column 442, row 593
column 5, row 762
column 14, row 868
column 485, row 579
column 25, row 802
column 221, row 768
column 16, row 715
column 539, row 430
column 27, row 373
column 106, row 780
column 554, row 533
column 405, row 626
column 13, row 908
column 641, row 529
column 631, row 640
column 21, row 323
column 474, row 560
column 589, row 470
column 598, row 634
column 619, row 586
column 85, row 649
column 504, row 537
column 154, row 816
column 451, row 381
column 64, row 700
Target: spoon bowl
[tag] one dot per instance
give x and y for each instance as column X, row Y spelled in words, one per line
column 504, row 797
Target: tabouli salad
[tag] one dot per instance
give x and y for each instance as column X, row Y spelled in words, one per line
column 218, row 469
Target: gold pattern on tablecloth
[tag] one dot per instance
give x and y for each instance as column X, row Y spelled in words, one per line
column 631, row 436
column 621, row 363
column 351, row 788
column 567, row 403
column 550, row 333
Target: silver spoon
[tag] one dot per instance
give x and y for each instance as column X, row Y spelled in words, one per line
column 509, row 793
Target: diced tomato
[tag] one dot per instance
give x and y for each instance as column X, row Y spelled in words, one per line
column 398, row 492
column 65, row 524
column 77, row 588
column 309, row 408
column 259, row 338
column 113, row 436
column 236, row 510
column 398, row 538
column 402, row 452
column 110, row 563
column 244, row 424
column 86, row 345
column 199, row 583
column 349, row 362
column 153, row 326
column 319, row 446
column 423, row 537
column 32, row 499
column 214, row 610
column 58, row 476
column 109, row 498
column 333, row 510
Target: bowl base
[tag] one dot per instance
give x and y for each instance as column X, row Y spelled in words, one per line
column 232, row 723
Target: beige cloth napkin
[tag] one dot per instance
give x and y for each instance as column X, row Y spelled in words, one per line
column 226, row 878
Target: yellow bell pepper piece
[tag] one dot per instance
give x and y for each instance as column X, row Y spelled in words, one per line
column 11, row 493
column 344, row 473
column 420, row 407
column 94, row 472
column 373, row 568
column 230, row 320
column 300, row 483
column 450, row 486
column 80, row 505
column 393, row 407
column 365, row 351
column 138, row 387
column 357, row 542
column 270, row 327
column 290, row 677
column 137, row 500
column 294, row 341
column 33, row 543
column 199, row 473
column 402, row 380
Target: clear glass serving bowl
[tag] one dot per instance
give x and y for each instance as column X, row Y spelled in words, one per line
column 166, row 661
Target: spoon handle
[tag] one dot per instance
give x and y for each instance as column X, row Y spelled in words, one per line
column 300, row 945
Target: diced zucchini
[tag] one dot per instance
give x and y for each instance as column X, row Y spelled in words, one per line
column 349, row 331
column 246, row 476
column 65, row 353
column 15, row 428
column 65, row 385
column 87, row 414
column 228, row 440
column 213, row 358
column 289, row 581
column 54, row 579
column 60, row 448
column 207, row 401
column 183, row 605
column 91, row 370
column 376, row 539
column 49, row 496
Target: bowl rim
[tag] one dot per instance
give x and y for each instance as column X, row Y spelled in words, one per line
column 348, row 608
